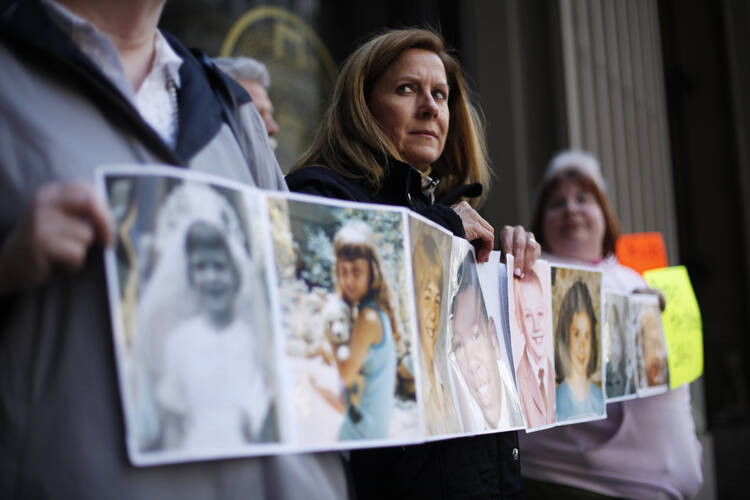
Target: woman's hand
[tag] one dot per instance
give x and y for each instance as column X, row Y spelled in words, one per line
column 522, row 245
column 478, row 231
column 64, row 220
column 654, row 291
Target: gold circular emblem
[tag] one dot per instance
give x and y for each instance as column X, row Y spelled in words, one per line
column 302, row 73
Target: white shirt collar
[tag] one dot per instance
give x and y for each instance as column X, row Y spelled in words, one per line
column 535, row 367
column 96, row 45
column 152, row 99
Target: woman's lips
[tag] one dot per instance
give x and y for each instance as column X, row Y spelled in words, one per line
column 427, row 133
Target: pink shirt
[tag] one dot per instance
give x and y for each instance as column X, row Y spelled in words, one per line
column 645, row 448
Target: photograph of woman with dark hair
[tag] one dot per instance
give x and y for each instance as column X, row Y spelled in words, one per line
column 577, row 356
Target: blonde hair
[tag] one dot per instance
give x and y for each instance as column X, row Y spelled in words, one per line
column 352, row 143
column 355, row 240
column 426, row 262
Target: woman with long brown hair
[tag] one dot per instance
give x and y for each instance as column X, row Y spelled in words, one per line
column 401, row 130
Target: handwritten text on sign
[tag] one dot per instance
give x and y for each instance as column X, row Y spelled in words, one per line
column 682, row 323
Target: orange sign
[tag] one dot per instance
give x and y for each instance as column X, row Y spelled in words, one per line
column 642, row 251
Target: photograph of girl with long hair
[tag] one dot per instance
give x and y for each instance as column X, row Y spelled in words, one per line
column 369, row 372
column 342, row 272
column 577, row 355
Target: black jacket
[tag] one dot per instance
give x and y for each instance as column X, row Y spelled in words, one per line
column 479, row 467
column 401, row 187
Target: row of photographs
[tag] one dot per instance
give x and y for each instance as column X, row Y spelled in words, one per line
column 251, row 323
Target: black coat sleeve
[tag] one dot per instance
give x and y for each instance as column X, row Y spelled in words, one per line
column 445, row 216
column 321, row 181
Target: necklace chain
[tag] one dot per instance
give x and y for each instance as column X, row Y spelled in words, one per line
column 172, row 90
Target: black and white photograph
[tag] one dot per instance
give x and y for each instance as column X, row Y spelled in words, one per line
column 619, row 351
column 191, row 315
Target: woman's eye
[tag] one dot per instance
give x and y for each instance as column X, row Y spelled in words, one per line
column 440, row 95
column 585, row 197
column 405, row 88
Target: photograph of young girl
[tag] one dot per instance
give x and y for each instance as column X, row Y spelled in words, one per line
column 193, row 370
column 651, row 349
column 619, row 353
column 431, row 248
column 576, row 303
column 346, row 321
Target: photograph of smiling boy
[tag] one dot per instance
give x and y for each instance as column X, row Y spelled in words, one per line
column 533, row 348
column 485, row 397
column 619, row 354
column 431, row 249
column 195, row 380
column 576, row 303
column 346, row 320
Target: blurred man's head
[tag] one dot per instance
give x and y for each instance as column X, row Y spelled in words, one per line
column 253, row 76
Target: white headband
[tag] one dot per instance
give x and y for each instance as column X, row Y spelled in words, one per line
column 580, row 161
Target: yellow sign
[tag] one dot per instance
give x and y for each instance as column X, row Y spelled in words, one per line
column 682, row 323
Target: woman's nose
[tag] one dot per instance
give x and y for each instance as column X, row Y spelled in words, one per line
column 428, row 108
